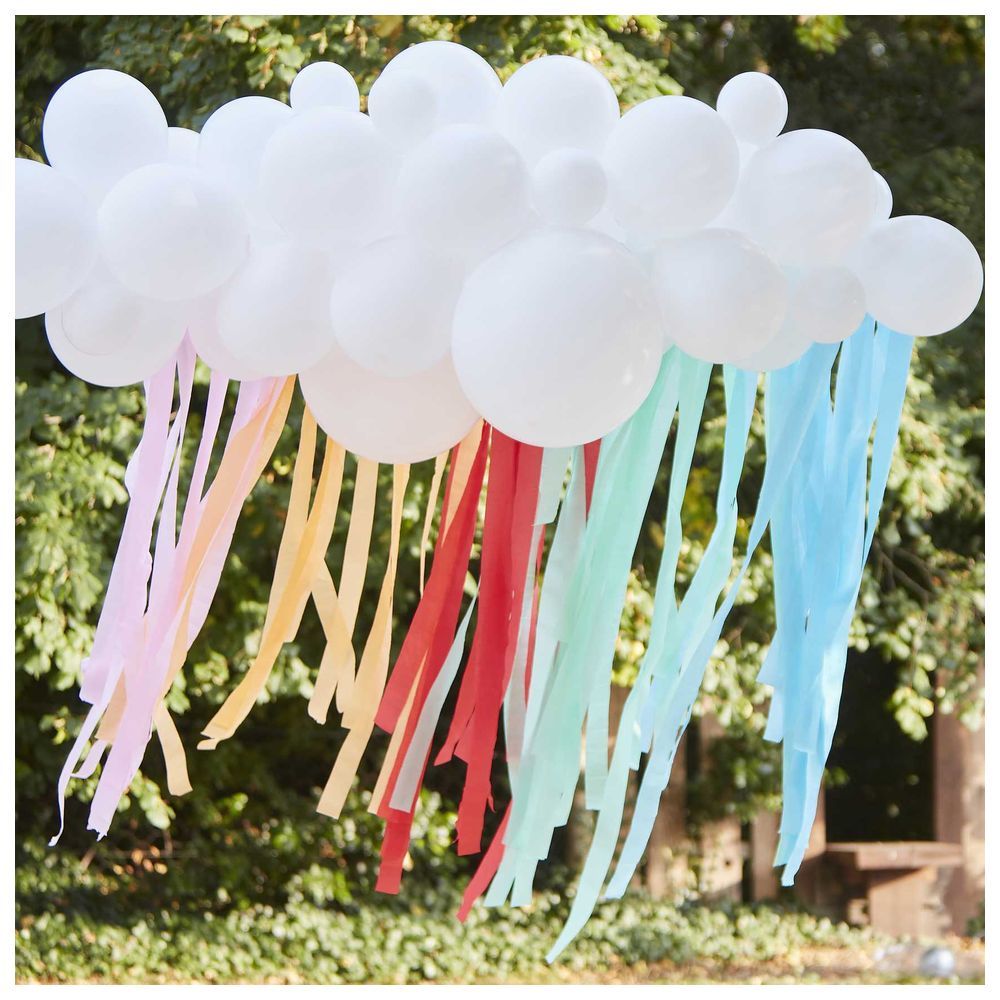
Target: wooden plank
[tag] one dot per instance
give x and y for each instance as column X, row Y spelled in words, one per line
column 897, row 855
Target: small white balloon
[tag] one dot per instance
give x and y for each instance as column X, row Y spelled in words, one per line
column 557, row 102
column 721, row 296
column 883, row 197
column 323, row 85
column 403, row 107
column 784, row 348
column 754, row 106
column 55, row 238
column 921, row 276
column 808, row 197
column 465, row 86
column 557, row 338
column 171, row 233
column 182, row 146
column 203, row 329
column 568, row 187
column 326, row 176
column 392, row 308
column 274, row 315
column 107, row 336
column 672, row 165
column 465, row 189
column 391, row 420
column 100, row 126
column 827, row 304
column 233, row 140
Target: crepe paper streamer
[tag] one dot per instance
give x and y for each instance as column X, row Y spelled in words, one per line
column 309, row 539
column 740, row 391
column 456, row 482
column 427, row 648
column 249, row 447
column 512, row 497
column 121, row 613
column 432, row 497
column 549, row 767
column 870, row 388
column 338, row 612
column 669, row 703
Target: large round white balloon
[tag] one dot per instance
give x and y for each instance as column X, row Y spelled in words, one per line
column 100, row 126
column 55, row 238
column 274, row 315
column 827, row 304
column 921, row 276
column 171, row 233
column 388, row 419
column 808, row 197
column 465, row 188
column 403, row 107
column 557, row 102
column 203, row 329
column 568, row 187
column 326, row 176
column 722, row 297
column 672, row 166
column 883, row 197
column 107, row 336
column 323, row 85
column 557, row 337
column 754, row 106
column 233, row 140
column 464, row 85
column 392, row 308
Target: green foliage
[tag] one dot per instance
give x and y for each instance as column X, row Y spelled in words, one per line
column 246, row 842
column 311, row 939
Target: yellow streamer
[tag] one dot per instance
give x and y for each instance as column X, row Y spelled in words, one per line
column 338, row 612
column 178, row 782
column 439, row 464
column 359, row 713
column 309, row 552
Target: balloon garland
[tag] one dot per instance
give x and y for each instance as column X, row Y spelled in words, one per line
column 531, row 289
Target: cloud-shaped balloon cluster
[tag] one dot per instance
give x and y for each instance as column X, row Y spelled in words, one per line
column 521, row 252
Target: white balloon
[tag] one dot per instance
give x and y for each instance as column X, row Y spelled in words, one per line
column 326, row 176
column 465, row 188
column 465, row 86
column 182, row 146
column 100, row 126
column 672, row 165
column 921, row 276
column 883, row 197
column 274, row 315
column 784, row 348
column 557, row 338
column 754, row 106
column 403, row 107
column 827, row 304
column 388, row 419
column 323, row 85
column 808, row 197
column 203, row 329
column 233, row 140
column 392, row 308
column 556, row 102
column 55, row 238
column 107, row 336
column 171, row 233
column 568, row 187
column 722, row 297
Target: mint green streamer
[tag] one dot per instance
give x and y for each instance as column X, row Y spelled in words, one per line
column 669, row 622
